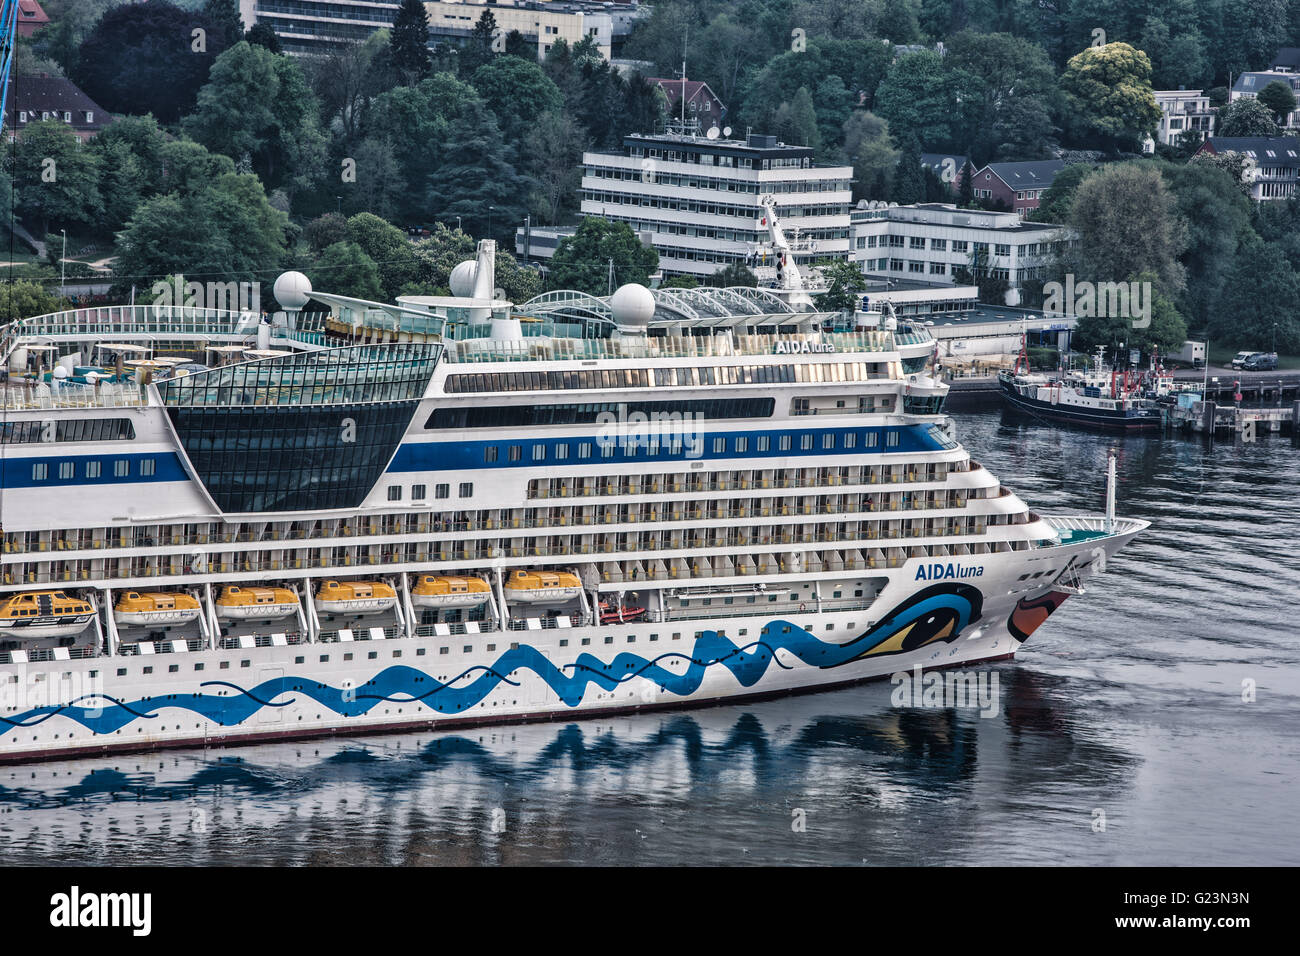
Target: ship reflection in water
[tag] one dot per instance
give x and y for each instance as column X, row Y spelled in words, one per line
column 834, row 778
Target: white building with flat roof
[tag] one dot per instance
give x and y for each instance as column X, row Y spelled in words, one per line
column 929, row 241
column 1182, row 111
column 698, row 199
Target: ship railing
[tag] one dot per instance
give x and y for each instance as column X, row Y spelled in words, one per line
column 43, row 654
column 145, row 648
column 454, row 628
column 277, row 639
column 542, row 623
column 72, row 395
column 346, row 635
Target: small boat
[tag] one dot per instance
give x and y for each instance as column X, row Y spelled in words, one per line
column 609, row 614
column 440, row 591
column 36, row 614
column 256, row 604
column 155, row 608
column 542, row 587
column 355, row 597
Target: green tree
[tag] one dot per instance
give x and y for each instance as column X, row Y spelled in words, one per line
column 387, row 247
column 796, row 121
column 1057, row 200
column 344, row 268
column 1128, row 222
column 909, row 183
column 476, row 180
column 409, row 41
column 224, row 17
column 921, row 96
column 144, row 58
column 553, row 149
column 1166, row 330
column 380, row 187
column 1108, row 94
column 870, row 149
column 1231, row 162
column 22, row 298
column 478, row 49
column 1247, row 320
column 581, row 261
column 56, row 180
column 257, row 104
column 223, row 228
column 1246, row 117
column 186, row 167
column 1278, row 224
column 731, row 275
column 518, row 92
column 323, row 231
column 264, row 35
column 346, row 80
column 1013, row 98
column 845, row 285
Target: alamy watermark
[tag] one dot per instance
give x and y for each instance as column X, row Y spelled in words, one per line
column 676, row 433
column 953, row 688
column 25, row 689
column 224, row 296
column 1115, row 300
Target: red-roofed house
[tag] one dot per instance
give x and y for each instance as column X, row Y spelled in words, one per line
column 701, row 104
column 30, row 17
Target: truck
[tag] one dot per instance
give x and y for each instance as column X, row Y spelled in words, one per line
column 1192, row 353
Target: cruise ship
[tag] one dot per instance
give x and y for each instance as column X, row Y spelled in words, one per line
column 354, row 517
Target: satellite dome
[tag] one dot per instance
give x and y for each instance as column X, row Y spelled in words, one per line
column 632, row 305
column 462, row 279
column 59, row 372
column 291, row 290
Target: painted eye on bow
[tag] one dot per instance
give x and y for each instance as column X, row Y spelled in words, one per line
column 940, row 625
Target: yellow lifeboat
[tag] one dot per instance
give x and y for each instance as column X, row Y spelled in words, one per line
column 542, row 587
column 256, row 604
column 36, row 614
column 355, row 597
column 438, row 591
column 155, row 608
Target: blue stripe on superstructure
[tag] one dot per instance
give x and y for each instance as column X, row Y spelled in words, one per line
column 17, row 472
column 470, row 455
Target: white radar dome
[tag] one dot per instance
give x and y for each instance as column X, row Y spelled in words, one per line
column 462, row 279
column 292, row 290
column 59, row 372
column 633, row 306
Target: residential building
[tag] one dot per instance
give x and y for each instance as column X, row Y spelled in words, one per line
column 946, row 165
column 702, row 105
column 1019, row 185
column 30, row 17
column 1286, row 60
column 698, row 200
column 927, row 242
column 1182, row 111
column 1248, row 85
column 1276, row 159
column 308, row 26
column 35, row 98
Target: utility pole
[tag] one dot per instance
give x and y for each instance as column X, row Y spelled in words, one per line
column 63, row 266
column 610, row 283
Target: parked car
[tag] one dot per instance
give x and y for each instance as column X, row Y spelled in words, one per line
column 1261, row 362
column 1239, row 360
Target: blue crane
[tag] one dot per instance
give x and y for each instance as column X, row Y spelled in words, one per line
column 8, row 39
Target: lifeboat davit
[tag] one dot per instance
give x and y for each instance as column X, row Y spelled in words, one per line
column 256, row 604
column 355, row 597
column 35, row 614
column 439, row 591
column 542, row 587
column 155, row 608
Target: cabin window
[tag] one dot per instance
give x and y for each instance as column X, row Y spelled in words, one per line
column 490, row 453
column 121, row 468
column 93, row 469
column 442, row 491
column 394, row 492
column 147, row 670
column 67, row 469
column 418, row 492
column 467, row 489
column 516, row 452
column 784, row 443
column 40, row 472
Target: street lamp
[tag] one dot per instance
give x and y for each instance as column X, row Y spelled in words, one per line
column 63, row 266
column 458, row 229
column 491, row 209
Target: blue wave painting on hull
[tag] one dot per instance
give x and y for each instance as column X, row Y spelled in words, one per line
column 937, row 614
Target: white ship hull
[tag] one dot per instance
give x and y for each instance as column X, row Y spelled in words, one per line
column 558, row 673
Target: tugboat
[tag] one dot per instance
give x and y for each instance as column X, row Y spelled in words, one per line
column 1100, row 397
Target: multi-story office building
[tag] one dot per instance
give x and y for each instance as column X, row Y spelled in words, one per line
column 929, row 241
column 313, row 26
column 698, row 200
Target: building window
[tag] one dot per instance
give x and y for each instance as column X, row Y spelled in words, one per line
column 467, row 489
column 394, row 492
